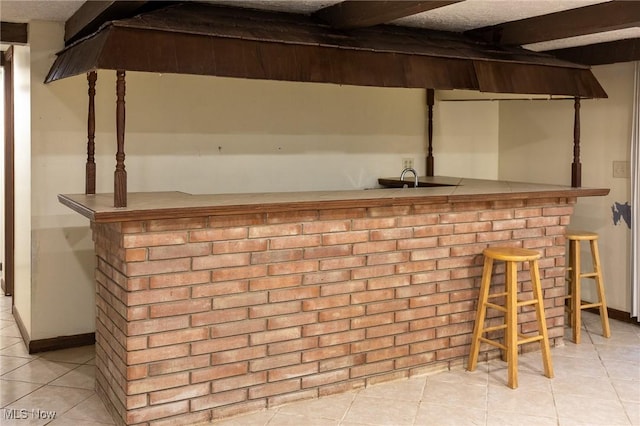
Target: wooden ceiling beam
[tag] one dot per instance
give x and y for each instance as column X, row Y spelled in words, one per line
column 359, row 14
column 602, row 53
column 11, row 32
column 592, row 19
column 92, row 14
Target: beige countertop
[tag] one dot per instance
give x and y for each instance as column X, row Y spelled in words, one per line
column 163, row 205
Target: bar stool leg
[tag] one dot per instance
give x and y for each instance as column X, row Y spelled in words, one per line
column 542, row 323
column 511, row 278
column 576, row 299
column 480, row 313
column 604, row 316
column 570, row 285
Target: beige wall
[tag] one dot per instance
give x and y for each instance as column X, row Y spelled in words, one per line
column 22, row 162
column 207, row 134
column 466, row 139
column 61, row 250
column 536, row 144
column 2, row 218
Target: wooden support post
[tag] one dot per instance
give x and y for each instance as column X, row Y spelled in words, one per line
column 120, row 175
column 430, row 102
column 90, row 169
column 576, row 167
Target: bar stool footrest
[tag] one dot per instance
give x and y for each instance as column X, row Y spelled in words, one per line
column 527, row 302
column 494, row 328
column 494, row 295
column 590, row 305
column 523, row 340
column 496, row 307
column 528, row 339
column 493, row 343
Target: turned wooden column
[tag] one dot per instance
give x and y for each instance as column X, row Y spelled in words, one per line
column 120, row 175
column 576, row 167
column 90, row 169
column 430, row 102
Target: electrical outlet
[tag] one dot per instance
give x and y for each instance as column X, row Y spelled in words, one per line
column 621, row 169
column 407, row 163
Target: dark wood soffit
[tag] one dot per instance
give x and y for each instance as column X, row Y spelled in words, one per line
column 592, row 19
column 11, row 32
column 359, row 14
column 119, row 48
column 92, row 14
column 502, row 77
column 202, row 39
column 602, row 53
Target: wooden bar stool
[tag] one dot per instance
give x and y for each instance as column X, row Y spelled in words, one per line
column 575, row 275
column 511, row 256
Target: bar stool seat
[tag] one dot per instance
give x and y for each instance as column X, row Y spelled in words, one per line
column 575, row 276
column 511, row 256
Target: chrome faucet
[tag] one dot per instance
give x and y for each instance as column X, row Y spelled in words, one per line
column 415, row 175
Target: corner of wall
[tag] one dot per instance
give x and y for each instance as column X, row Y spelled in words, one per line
column 22, row 178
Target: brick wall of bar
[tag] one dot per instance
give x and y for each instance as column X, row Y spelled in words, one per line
column 206, row 317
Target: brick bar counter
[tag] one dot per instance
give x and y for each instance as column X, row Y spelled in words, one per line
column 210, row 306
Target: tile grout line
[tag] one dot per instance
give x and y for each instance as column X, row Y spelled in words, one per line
column 45, row 385
column 424, row 388
column 610, row 379
column 344, row 415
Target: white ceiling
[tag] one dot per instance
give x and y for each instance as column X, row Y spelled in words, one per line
column 472, row 14
column 27, row 10
column 456, row 17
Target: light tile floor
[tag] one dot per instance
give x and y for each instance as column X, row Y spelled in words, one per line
column 596, row 383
